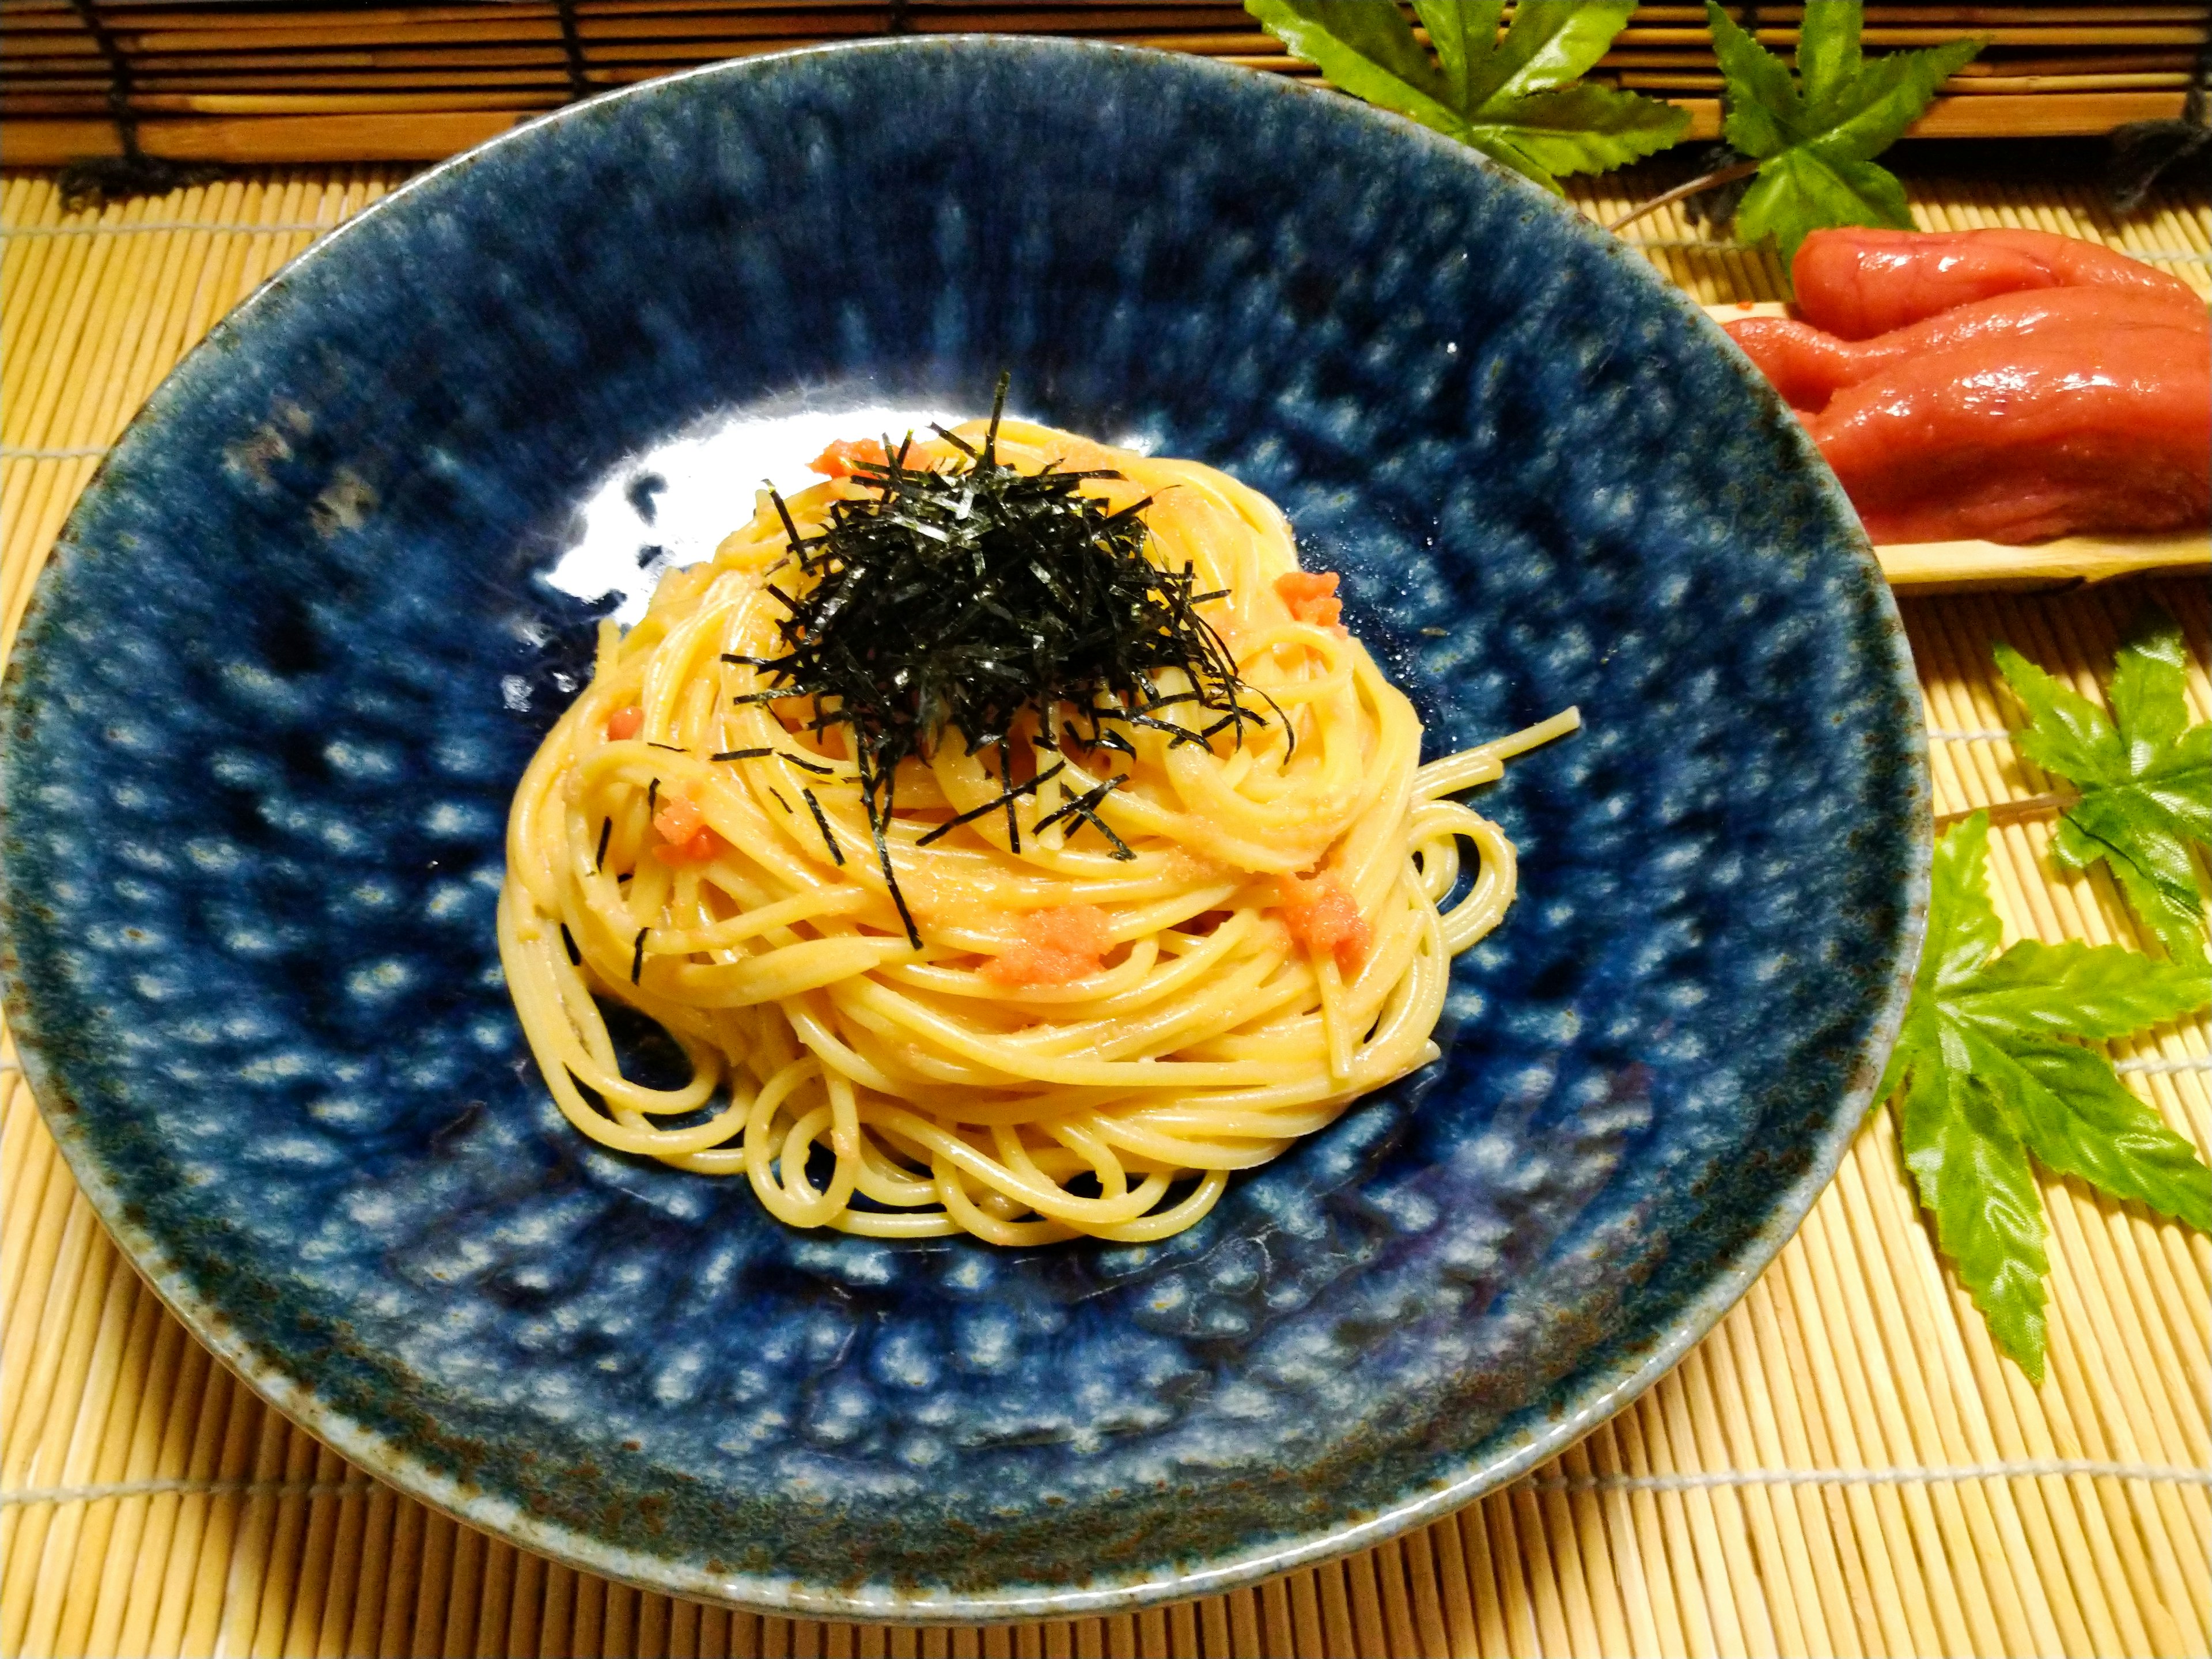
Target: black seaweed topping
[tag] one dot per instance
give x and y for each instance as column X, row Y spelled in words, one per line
column 963, row 599
column 822, row 822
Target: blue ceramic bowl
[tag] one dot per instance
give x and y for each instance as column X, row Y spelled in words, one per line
column 298, row 640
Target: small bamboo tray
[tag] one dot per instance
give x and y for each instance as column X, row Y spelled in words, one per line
column 1845, row 1466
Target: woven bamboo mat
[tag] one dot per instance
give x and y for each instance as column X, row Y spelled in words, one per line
column 1845, row 1466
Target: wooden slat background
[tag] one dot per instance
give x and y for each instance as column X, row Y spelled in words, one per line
column 326, row 80
column 1845, row 1467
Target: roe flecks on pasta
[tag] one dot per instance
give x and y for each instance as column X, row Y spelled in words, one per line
column 1054, row 971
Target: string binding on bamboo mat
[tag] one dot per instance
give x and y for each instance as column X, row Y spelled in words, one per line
column 1711, row 1480
column 184, row 1487
column 92, row 182
column 2143, row 151
column 143, row 226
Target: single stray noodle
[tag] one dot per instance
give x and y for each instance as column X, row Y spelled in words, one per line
column 1089, row 1038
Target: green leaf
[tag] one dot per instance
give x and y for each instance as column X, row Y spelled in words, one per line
column 1827, row 52
column 2080, row 1120
column 2069, row 735
column 2078, row 990
column 2144, row 774
column 1800, row 191
column 1764, row 115
column 2148, row 692
column 1457, row 30
column 1518, row 99
column 1963, row 930
column 1884, row 98
column 1815, row 136
column 1984, row 1075
column 1367, row 49
column 1552, row 43
column 1973, row 1176
column 1583, row 129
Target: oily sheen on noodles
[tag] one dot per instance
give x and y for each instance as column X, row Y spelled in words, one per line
column 1059, row 978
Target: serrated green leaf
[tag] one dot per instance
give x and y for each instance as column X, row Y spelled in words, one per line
column 2174, row 917
column 2149, row 691
column 1815, row 143
column 1800, row 191
column 1583, row 129
column 1828, row 53
column 1516, row 99
column 1963, row 930
column 1974, row 1179
column 1551, row 43
column 1458, row 29
column 1884, row 98
column 2144, row 774
column 1919, row 1045
column 2069, row 735
column 2148, row 852
column 2180, row 779
column 1983, row 1074
column 1765, row 116
column 2080, row 1120
column 1363, row 49
column 2076, row 990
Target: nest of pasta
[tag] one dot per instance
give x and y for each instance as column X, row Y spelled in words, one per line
column 1044, row 946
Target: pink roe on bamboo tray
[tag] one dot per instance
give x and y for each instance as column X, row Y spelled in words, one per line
column 1808, row 365
column 2003, row 385
column 1860, row 283
column 2020, row 441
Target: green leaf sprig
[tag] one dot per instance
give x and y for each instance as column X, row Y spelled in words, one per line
column 1816, row 135
column 2144, row 773
column 1520, row 100
column 1985, row 1079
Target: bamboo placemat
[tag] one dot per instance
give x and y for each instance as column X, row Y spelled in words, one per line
column 1845, row 1466
column 328, row 80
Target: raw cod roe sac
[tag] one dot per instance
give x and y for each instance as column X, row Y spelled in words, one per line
column 2014, row 440
column 1808, row 365
column 1860, row 283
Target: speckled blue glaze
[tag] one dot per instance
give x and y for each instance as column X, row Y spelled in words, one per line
column 293, row 651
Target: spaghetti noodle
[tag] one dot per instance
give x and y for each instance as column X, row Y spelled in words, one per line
column 1061, row 982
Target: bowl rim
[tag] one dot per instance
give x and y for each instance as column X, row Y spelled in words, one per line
column 1609, row 1391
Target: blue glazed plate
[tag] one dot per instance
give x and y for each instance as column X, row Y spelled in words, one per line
column 304, row 630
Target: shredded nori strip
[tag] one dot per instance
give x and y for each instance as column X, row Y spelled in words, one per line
column 995, row 803
column 672, row 748
column 637, row 956
column 652, row 797
column 607, row 832
column 740, row 754
column 779, row 800
column 1084, row 806
column 963, row 598
column 822, row 822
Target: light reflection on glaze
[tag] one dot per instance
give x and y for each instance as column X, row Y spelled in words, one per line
column 672, row 504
